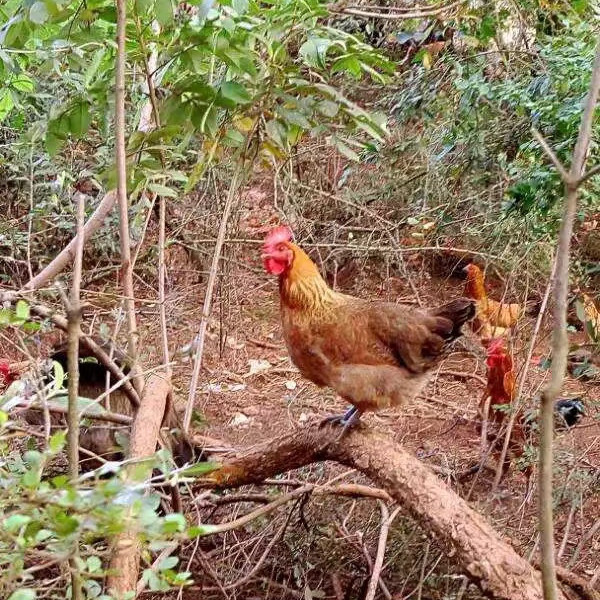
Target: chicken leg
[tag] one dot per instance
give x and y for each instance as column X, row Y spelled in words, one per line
column 348, row 420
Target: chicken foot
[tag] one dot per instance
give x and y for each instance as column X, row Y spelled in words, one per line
column 348, row 420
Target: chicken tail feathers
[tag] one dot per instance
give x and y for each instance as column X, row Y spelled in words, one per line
column 452, row 316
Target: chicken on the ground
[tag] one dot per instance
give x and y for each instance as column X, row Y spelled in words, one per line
column 374, row 354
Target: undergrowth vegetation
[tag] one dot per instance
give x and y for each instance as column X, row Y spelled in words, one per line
column 415, row 156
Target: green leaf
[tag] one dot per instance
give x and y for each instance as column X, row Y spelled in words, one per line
column 22, row 83
column 83, row 404
column 232, row 94
column 31, row 327
column 328, row 108
column 314, row 51
column 38, row 13
column 54, row 142
column 6, row 104
column 200, row 468
column 487, row 29
column 23, row 594
column 276, row 131
column 59, row 376
column 209, row 124
column 94, row 564
column 345, row 150
column 142, row 6
column 65, row 524
column 294, row 117
column 22, row 310
column 13, row 523
column 31, row 479
column 57, row 441
column 94, row 66
column 162, row 190
column 580, row 311
column 168, row 563
column 371, row 128
column 233, row 139
column 79, row 118
column 349, row 64
column 163, row 10
column 240, row 6
column 173, row 523
column 196, row 531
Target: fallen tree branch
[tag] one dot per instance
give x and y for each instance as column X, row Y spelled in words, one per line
column 349, row 490
column 579, row 585
column 109, row 417
column 66, row 256
column 478, row 550
column 236, row 181
column 393, row 14
column 142, row 443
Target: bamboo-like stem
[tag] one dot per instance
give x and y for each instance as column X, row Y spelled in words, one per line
column 74, row 325
column 121, row 164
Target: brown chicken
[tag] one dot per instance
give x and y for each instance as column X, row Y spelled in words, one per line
column 500, row 392
column 373, row 354
column 493, row 319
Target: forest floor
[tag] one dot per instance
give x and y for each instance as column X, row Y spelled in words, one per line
column 250, row 392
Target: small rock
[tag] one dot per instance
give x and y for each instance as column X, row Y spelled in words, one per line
column 303, row 418
column 237, row 387
column 256, row 366
column 291, row 384
column 239, row 420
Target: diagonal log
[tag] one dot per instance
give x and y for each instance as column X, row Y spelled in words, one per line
column 477, row 548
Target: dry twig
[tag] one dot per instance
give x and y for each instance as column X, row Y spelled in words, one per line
column 67, row 255
column 386, row 522
column 73, row 307
column 212, row 278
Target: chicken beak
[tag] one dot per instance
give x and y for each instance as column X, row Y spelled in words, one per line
column 266, row 255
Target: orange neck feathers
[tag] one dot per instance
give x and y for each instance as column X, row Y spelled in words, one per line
column 302, row 286
column 475, row 288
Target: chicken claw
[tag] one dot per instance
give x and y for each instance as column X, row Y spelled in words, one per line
column 347, row 420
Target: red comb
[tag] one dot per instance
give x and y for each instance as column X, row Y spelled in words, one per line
column 496, row 346
column 278, row 235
